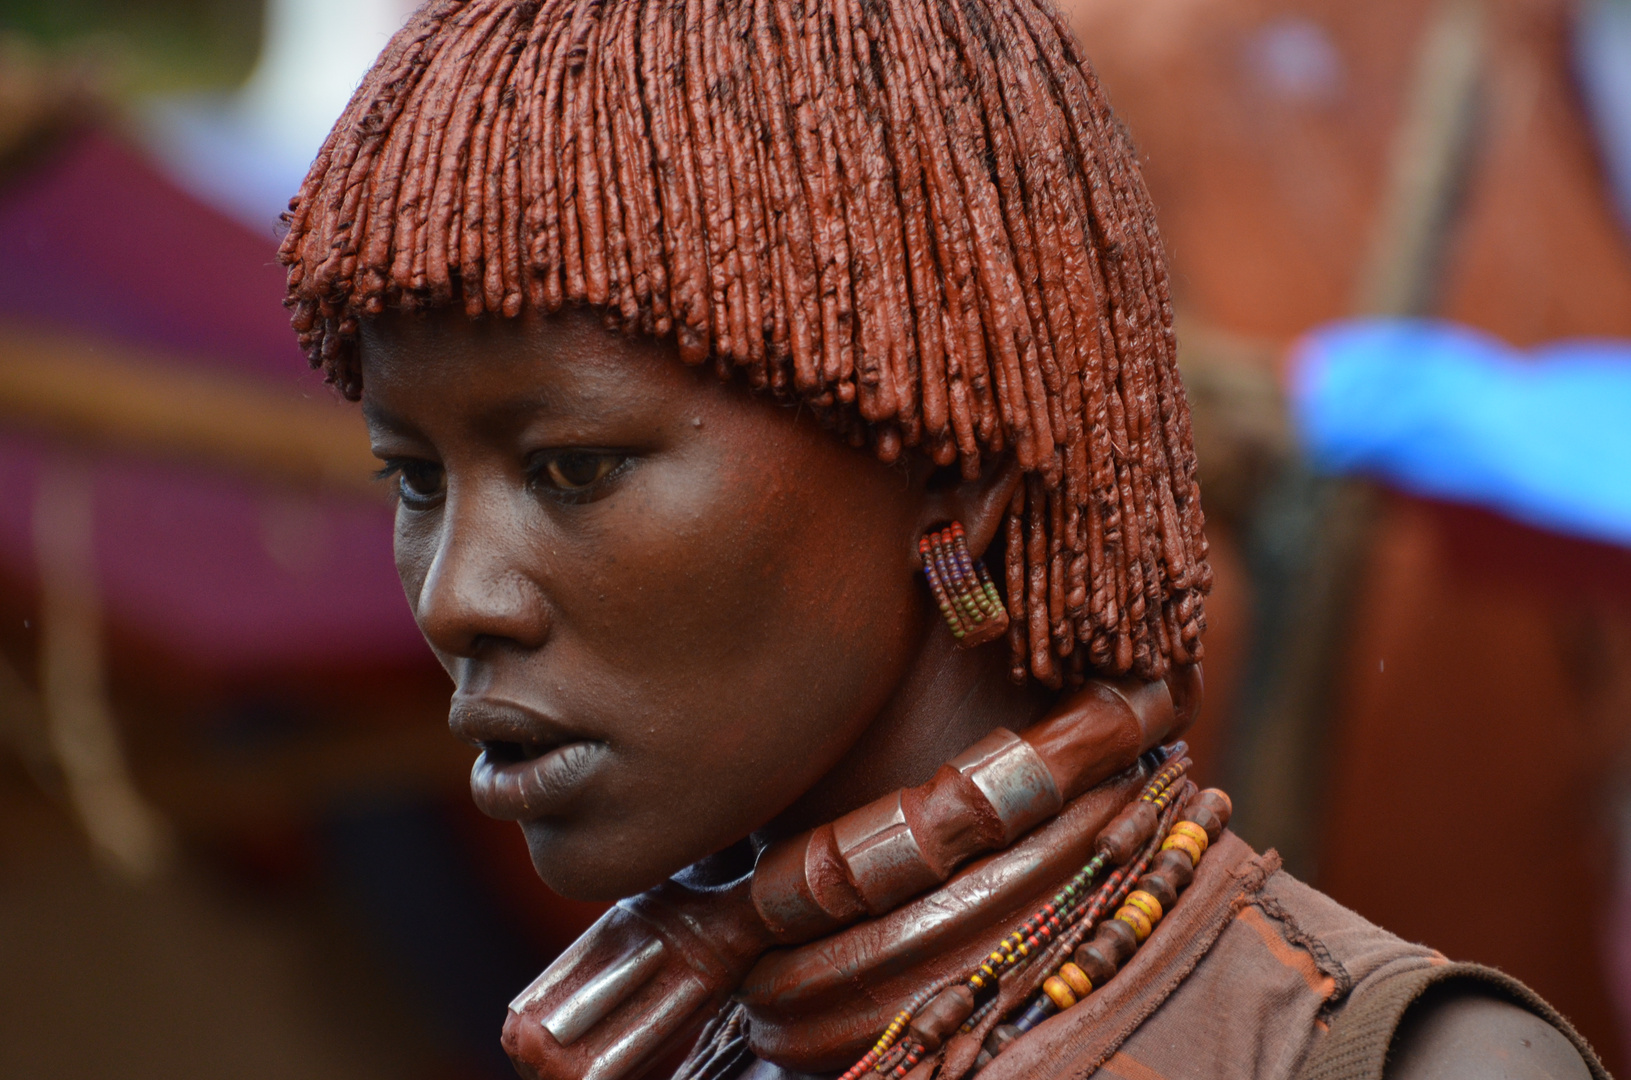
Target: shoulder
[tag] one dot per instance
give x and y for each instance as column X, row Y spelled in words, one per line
column 1284, row 932
column 1427, row 1017
column 1255, row 989
column 1297, row 985
column 1455, row 1032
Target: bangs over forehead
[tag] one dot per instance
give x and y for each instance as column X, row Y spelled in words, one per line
column 917, row 217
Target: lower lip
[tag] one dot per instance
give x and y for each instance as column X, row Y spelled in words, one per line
column 539, row 787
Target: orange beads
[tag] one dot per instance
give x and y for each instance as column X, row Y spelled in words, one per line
column 1059, row 992
column 1149, row 905
column 1140, row 922
column 1077, row 980
column 1185, row 844
column 1194, row 832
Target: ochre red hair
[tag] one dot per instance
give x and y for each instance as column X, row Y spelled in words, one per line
column 917, row 217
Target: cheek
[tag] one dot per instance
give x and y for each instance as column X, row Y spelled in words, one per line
column 763, row 614
column 414, row 547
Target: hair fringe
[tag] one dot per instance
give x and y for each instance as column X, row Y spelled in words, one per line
column 918, row 217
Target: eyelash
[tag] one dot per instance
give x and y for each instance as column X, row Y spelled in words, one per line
column 400, row 468
column 538, row 475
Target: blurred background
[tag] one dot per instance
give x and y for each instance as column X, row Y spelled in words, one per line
column 235, row 838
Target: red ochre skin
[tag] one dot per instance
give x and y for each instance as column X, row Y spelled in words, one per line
column 725, row 634
column 726, row 630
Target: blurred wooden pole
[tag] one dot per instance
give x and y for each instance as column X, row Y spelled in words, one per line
column 1311, row 537
column 123, row 828
column 97, row 394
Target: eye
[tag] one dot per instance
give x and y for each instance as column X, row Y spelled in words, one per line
column 573, row 472
column 419, row 483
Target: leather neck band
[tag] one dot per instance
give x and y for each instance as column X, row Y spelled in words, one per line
column 655, row 968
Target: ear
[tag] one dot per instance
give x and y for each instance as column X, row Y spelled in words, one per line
column 979, row 503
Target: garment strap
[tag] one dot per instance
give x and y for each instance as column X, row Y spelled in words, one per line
column 721, row 1050
column 1356, row 1047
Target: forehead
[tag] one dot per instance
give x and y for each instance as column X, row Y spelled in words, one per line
column 452, row 380
column 397, row 342
column 571, row 353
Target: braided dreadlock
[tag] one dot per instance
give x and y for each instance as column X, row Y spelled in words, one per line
column 917, row 217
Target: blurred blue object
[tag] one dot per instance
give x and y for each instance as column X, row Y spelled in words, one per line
column 1444, row 411
column 1602, row 52
column 1295, row 59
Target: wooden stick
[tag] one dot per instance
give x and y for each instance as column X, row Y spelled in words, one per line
column 121, row 397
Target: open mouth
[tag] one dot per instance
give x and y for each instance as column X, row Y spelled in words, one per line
column 524, row 781
column 513, row 753
column 530, row 765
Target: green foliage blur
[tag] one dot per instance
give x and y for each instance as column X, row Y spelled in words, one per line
column 143, row 47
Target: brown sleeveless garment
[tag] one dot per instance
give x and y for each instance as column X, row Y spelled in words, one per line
column 1252, row 976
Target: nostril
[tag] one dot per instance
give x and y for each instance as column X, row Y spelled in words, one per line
column 482, row 643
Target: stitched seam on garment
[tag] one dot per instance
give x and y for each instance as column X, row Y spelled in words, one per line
column 1324, row 959
column 1358, row 1013
column 1292, row 957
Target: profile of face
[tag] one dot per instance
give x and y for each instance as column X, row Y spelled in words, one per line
column 674, row 611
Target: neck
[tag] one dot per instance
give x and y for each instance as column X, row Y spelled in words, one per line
column 876, row 901
column 949, row 699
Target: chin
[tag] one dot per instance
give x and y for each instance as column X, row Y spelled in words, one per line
column 580, row 868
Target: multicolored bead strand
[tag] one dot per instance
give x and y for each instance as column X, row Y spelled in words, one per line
column 1063, row 920
column 897, row 1027
column 1066, row 905
column 1167, row 869
column 963, row 589
column 1112, row 895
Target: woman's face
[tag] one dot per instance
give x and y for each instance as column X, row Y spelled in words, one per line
column 668, row 607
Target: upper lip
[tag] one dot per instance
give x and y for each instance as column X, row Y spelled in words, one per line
column 487, row 722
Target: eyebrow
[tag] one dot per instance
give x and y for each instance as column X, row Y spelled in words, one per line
column 377, row 415
column 516, row 411
column 507, row 414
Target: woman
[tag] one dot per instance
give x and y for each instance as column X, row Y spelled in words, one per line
column 720, row 623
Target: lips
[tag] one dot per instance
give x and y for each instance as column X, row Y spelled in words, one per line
column 530, row 766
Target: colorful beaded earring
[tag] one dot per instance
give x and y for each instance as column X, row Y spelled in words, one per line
column 962, row 588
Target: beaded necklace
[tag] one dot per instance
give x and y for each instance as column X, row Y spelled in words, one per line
column 635, row 986
column 1044, row 959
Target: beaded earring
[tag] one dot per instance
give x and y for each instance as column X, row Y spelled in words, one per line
column 962, row 588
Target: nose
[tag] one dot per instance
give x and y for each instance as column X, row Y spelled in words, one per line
column 476, row 592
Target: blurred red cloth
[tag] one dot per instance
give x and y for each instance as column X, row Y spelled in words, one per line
column 233, row 575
